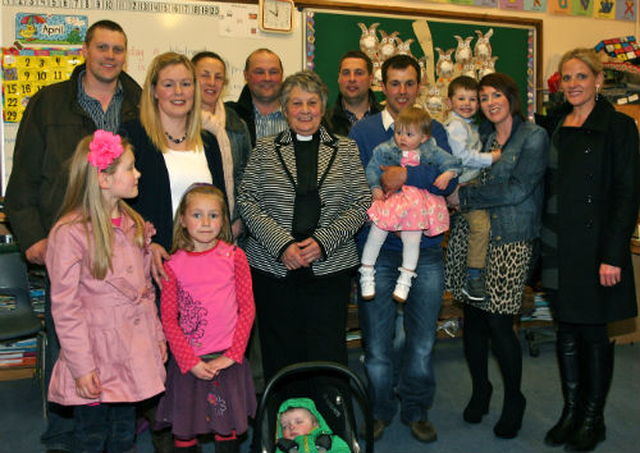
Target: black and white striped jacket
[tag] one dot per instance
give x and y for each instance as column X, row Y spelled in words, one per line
column 267, row 196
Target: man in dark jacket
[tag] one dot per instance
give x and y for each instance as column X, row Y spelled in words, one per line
column 259, row 102
column 356, row 100
column 99, row 95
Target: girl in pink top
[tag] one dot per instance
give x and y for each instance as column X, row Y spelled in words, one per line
column 112, row 348
column 207, row 313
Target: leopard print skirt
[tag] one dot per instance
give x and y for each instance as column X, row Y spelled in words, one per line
column 505, row 273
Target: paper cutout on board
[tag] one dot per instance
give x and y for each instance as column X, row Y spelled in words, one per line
column 50, row 28
column 627, row 10
column 512, row 4
column 604, row 9
column 539, row 6
column 560, row 6
column 582, row 8
column 27, row 71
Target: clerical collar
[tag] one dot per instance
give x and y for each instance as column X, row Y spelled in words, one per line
column 304, row 138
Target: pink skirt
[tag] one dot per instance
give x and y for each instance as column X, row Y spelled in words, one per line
column 411, row 209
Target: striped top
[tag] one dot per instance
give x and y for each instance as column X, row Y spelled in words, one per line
column 108, row 120
column 269, row 124
column 266, row 203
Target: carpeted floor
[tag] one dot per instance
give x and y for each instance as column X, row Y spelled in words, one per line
column 21, row 421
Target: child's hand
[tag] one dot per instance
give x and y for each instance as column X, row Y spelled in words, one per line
column 88, row 386
column 163, row 351
column 495, row 155
column 220, row 363
column 202, row 371
column 453, row 199
column 442, row 181
column 158, row 256
column 377, row 194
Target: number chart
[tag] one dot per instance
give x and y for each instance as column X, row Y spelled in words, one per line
column 26, row 71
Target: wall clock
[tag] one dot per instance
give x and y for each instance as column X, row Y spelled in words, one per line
column 276, row 15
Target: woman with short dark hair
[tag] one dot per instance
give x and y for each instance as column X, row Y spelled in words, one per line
column 511, row 191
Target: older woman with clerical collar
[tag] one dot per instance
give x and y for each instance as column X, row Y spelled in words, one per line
column 303, row 197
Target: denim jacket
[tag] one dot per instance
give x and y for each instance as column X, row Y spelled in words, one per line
column 513, row 187
column 388, row 153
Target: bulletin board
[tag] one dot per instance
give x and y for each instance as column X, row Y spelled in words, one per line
column 50, row 33
column 516, row 45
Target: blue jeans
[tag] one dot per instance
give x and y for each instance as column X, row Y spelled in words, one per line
column 416, row 385
column 107, row 427
column 59, row 432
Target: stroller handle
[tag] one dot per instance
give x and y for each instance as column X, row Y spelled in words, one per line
column 305, row 367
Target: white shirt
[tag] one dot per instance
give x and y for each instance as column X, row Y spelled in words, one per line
column 185, row 168
column 387, row 119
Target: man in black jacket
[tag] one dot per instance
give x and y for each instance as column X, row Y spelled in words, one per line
column 259, row 102
column 356, row 100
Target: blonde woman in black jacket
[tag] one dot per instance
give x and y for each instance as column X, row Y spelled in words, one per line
column 592, row 209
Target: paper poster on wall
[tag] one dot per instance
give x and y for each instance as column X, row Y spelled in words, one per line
column 582, row 8
column 512, row 4
column 627, row 10
column 539, row 6
column 487, row 3
column 50, row 28
column 26, row 71
column 560, row 6
column 605, row 9
column 238, row 21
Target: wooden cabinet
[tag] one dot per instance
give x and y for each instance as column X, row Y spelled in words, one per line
column 633, row 110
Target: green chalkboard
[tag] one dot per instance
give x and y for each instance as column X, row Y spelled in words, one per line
column 330, row 34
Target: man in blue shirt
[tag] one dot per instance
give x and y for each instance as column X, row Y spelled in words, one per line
column 412, row 365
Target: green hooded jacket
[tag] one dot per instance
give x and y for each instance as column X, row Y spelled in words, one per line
column 307, row 443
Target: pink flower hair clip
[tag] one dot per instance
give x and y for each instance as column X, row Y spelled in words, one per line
column 104, row 149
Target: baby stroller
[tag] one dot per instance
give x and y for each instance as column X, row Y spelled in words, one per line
column 344, row 398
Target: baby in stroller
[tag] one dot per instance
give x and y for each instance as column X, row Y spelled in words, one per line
column 302, row 429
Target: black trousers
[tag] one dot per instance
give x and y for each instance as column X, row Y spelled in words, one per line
column 304, row 319
column 301, row 319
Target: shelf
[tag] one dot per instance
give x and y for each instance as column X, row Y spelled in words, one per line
column 17, row 372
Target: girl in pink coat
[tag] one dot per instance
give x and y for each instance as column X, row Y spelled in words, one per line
column 103, row 303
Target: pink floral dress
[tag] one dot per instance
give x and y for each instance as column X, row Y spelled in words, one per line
column 410, row 208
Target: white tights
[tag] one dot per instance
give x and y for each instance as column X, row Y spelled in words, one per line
column 410, row 247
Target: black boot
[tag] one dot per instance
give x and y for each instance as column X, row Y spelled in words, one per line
column 510, row 421
column 478, row 405
column 569, row 364
column 591, row 429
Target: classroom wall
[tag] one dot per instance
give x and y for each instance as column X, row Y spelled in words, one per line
column 560, row 33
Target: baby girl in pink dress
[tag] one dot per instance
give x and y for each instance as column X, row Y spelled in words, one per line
column 411, row 211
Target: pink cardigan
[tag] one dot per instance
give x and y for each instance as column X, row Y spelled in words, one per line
column 109, row 325
column 207, row 304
